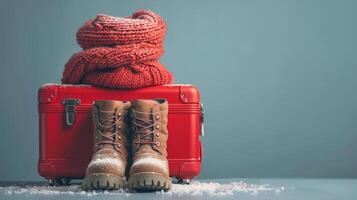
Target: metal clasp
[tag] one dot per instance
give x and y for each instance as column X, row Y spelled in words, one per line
column 202, row 120
column 70, row 110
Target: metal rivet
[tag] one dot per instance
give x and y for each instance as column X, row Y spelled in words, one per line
column 157, row 144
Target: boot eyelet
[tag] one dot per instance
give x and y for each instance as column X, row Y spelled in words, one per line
column 157, row 144
column 157, row 116
column 119, row 127
column 157, row 134
column 119, row 137
column 157, row 127
column 119, row 114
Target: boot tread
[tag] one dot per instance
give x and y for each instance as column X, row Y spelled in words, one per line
column 149, row 182
column 103, row 182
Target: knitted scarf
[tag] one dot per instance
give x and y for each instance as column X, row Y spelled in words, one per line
column 120, row 52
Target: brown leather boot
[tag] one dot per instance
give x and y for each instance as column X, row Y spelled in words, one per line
column 106, row 170
column 149, row 170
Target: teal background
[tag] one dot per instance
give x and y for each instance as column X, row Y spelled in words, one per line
column 278, row 79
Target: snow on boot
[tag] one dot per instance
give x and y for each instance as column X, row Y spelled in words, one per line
column 149, row 170
column 107, row 168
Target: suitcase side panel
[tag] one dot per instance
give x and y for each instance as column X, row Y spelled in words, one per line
column 66, row 151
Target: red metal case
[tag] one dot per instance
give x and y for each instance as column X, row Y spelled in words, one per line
column 65, row 127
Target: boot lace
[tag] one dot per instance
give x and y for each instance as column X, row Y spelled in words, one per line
column 102, row 127
column 141, row 125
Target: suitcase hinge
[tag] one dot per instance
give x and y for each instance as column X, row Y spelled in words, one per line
column 70, row 110
column 202, row 120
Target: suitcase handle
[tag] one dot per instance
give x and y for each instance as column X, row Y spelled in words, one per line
column 202, row 120
column 70, row 110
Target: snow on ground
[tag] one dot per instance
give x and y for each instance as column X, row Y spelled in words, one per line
column 58, row 190
column 195, row 188
column 219, row 189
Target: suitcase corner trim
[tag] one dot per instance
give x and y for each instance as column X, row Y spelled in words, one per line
column 189, row 94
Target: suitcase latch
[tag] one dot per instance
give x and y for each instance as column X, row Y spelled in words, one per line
column 70, row 110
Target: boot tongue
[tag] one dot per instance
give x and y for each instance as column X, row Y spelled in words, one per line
column 106, row 113
column 107, row 105
column 144, row 105
column 144, row 109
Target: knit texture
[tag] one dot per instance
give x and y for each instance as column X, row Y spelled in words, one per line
column 120, row 52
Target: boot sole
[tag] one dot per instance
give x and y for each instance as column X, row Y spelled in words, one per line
column 147, row 181
column 103, row 181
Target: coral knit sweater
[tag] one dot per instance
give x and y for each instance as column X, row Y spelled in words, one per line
column 120, row 52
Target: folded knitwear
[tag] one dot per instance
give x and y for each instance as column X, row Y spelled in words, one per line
column 120, row 52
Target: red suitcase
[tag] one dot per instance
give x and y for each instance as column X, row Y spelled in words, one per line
column 65, row 129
